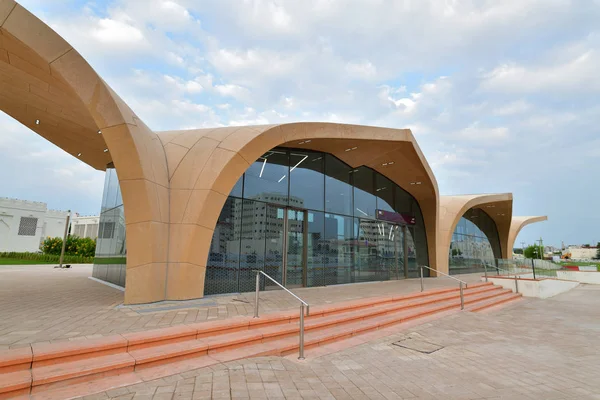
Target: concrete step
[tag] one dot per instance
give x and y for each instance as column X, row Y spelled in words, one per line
column 52, row 368
column 495, row 301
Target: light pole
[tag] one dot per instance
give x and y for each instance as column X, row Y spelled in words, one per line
column 523, row 248
column 541, row 247
column 64, row 243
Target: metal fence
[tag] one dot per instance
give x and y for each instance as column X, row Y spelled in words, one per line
column 523, row 268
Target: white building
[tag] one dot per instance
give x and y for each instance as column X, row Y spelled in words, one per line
column 85, row 226
column 25, row 224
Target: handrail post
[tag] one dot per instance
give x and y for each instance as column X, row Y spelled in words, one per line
column 462, row 298
column 533, row 267
column 497, row 267
column 516, row 284
column 301, row 352
column 256, row 295
column 485, row 269
column 421, row 272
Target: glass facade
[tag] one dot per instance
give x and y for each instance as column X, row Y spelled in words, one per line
column 111, row 250
column 474, row 240
column 308, row 219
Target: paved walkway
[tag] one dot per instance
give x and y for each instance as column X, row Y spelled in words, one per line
column 533, row 349
column 41, row 304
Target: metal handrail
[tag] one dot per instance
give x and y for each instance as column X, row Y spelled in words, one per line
column 461, row 283
column 302, row 305
column 498, row 269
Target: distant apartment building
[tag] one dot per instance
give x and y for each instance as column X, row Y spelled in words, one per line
column 25, row 224
column 580, row 252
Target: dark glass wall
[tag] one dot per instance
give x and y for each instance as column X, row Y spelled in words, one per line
column 333, row 229
column 111, row 249
column 474, row 241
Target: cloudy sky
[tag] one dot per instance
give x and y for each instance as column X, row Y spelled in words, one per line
column 502, row 96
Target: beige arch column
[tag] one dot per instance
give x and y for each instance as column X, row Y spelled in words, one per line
column 44, row 79
column 452, row 208
column 516, row 225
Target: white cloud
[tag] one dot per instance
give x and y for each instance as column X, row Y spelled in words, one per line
column 231, row 90
column 512, row 108
column 361, row 70
column 112, row 32
column 482, row 84
column 576, row 75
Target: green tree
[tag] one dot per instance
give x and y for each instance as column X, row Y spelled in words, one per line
column 597, row 251
column 534, row 251
column 518, row 251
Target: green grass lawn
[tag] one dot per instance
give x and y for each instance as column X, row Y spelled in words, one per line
column 17, row 261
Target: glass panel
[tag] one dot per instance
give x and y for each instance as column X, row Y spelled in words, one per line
column 295, row 252
column 420, row 236
column 364, row 199
column 413, row 267
column 267, row 178
column 112, row 190
column 384, row 189
column 307, row 183
column 252, row 246
column 224, row 255
column 390, row 252
column 475, row 239
column 367, row 263
column 274, row 231
column 237, row 188
column 315, row 243
column 338, row 186
column 339, row 249
column 403, row 201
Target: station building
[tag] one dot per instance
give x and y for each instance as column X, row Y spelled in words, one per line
column 191, row 213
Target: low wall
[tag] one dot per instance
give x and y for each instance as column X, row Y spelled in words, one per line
column 592, row 277
column 542, row 288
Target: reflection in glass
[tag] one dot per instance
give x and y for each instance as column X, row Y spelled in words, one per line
column 384, row 190
column 367, row 265
column 338, row 186
column 224, row 255
column 365, row 202
column 111, row 247
column 238, row 188
column 315, row 248
column 391, row 250
column 295, row 249
column 252, row 246
column 307, row 183
column 339, row 248
column 281, row 217
column 475, row 240
column 268, row 177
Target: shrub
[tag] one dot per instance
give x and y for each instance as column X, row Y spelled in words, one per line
column 75, row 246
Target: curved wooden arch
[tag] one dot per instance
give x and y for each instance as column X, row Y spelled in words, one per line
column 205, row 164
column 47, row 86
column 452, row 208
column 519, row 223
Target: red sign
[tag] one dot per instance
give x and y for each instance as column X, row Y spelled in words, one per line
column 397, row 218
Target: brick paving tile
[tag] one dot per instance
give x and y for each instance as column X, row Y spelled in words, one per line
column 534, row 349
column 41, row 304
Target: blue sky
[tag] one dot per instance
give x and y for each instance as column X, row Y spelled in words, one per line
column 501, row 96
